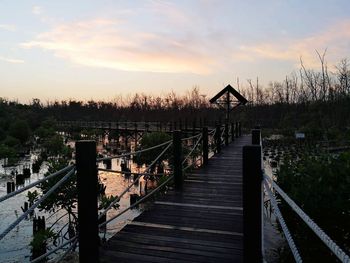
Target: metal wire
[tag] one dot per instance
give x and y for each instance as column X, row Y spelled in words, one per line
column 133, row 153
column 36, row 204
column 136, row 180
column 3, row 198
column 283, row 224
column 138, row 202
column 38, row 259
column 342, row 256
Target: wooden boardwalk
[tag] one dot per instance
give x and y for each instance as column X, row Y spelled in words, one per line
column 203, row 223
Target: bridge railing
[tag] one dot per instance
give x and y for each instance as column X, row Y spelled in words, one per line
column 187, row 153
column 255, row 181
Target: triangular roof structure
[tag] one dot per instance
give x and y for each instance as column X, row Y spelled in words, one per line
column 230, row 90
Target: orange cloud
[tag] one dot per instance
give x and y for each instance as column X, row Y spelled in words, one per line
column 108, row 44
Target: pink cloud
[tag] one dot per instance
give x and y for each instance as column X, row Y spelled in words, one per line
column 107, row 43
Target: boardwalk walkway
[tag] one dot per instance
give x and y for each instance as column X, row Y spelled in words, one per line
column 203, row 223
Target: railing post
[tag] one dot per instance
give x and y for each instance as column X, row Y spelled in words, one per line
column 236, row 129
column 218, row 138
column 87, row 201
column 177, row 156
column 205, row 146
column 239, row 129
column 252, row 206
column 256, row 136
column 226, row 133
column 232, row 131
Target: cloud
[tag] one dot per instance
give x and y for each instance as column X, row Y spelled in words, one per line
column 12, row 60
column 111, row 44
column 335, row 38
column 37, row 10
column 8, row 27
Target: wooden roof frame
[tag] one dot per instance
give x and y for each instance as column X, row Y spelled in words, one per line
column 240, row 99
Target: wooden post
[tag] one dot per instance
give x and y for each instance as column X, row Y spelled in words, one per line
column 256, row 137
column 252, row 206
column 87, row 184
column 236, row 129
column 177, row 152
column 205, row 147
column 218, row 138
column 226, row 133
column 232, row 131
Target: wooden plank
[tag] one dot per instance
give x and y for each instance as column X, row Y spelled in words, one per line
column 202, row 223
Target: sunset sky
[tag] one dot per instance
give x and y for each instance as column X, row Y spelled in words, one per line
column 86, row 49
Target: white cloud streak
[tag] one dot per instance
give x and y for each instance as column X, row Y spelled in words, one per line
column 11, row 60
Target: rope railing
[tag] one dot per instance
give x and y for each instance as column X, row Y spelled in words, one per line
column 36, row 204
column 44, row 256
column 283, row 224
column 136, row 180
column 192, row 137
column 192, row 150
column 121, row 172
column 139, row 201
column 3, row 198
column 133, row 153
column 67, row 251
column 342, row 256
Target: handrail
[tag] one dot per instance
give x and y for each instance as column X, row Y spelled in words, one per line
column 342, row 256
column 192, row 150
column 67, row 251
column 283, row 224
column 137, row 202
column 38, row 259
column 138, row 178
column 133, row 153
column 36, row 204
column 121, row 172
column 3, row 198
column 192, row 137
column 337, row 251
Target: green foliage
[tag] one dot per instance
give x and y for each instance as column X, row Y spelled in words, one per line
column 65, row 196
column 20, row 130
column 42, row 237
column 11, row 142
column 320, row 186
column 55, row 146
column 6, row 152
column 105, row 201
column 32, row 196
column 150, row 140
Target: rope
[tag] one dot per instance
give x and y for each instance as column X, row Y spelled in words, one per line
column 138, row 202
column 285, row 229
column 36, row 183
column 342, row 256
column 35, row 205
column 192, row 137
column 38, row 259
column 68, row 250
column 133, row 153
column 192, row 150
column 136, row 180
column 121, row 172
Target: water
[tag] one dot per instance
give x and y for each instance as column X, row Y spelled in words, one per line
column 15, row 246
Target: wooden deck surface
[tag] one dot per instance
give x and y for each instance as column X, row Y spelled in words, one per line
column 203, row 223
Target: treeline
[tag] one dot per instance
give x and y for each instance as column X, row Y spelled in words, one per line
column 315, row 100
